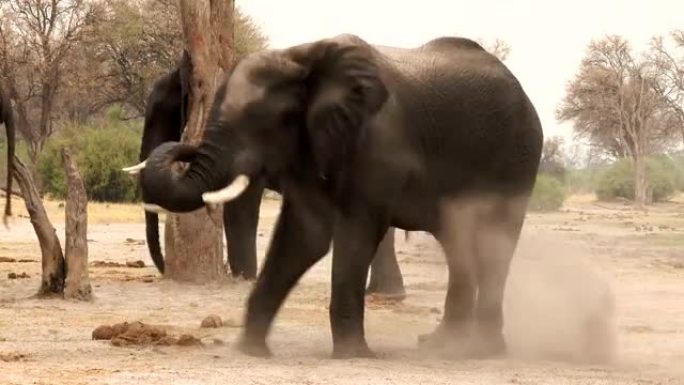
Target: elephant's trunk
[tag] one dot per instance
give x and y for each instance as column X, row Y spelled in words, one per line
column 180, row 192
column 216, row 161
column 152, row 234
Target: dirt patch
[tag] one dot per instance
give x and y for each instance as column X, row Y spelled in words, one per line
column 135, row 264
column 18, row 276
column 138, row 333
column 106, row 264
column 553, row 309
column 13, row 357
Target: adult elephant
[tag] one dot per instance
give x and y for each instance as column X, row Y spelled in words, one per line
column 440, row 138
column 165, row 119
column 7, row 118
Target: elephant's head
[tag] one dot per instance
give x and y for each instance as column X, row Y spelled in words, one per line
column 302, row 108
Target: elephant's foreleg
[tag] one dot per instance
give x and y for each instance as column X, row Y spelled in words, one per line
column 385, row 275
column 301, row 237
column 356, row 239
column 240, row 222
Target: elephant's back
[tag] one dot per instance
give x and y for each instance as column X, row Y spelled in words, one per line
column 466, row 113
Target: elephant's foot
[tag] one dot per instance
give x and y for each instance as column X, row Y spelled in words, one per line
column 447, row 342
column 387, row 294
column 387, row 289
column 254, row 348
column 462, row 343
column 489, row 345
column 352, row 350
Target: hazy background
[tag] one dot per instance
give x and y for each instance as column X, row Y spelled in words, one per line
column 548, row 38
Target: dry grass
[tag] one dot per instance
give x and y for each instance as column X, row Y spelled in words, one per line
column 98, row 212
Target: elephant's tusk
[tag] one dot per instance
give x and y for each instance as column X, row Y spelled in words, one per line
column 134, row 169
column 228, row 193
column 154, row 208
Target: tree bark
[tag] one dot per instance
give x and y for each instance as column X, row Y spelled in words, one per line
column 77, row 284
column 641, row 185
column 52, row 281
column 193, row 241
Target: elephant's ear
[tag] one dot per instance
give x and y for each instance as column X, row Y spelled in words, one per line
column 344, row 90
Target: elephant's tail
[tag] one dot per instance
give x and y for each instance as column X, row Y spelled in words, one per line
column 152, row 233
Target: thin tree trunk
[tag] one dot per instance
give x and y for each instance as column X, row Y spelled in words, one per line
column 52, row 281
column 77, row 285
column 193, row 241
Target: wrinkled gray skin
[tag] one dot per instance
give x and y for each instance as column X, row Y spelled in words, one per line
column 7, row 118
column 165, row 119
column 440, row 138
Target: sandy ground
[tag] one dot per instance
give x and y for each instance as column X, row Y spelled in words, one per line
column 571, row 267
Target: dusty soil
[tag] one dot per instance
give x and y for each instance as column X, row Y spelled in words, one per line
column 570, row 270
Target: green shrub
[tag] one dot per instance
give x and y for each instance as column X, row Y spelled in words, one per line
column 664, row 177
column 100, row 153
column 579, row 181
column 548, row 194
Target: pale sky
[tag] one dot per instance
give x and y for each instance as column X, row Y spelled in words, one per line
column 548, row 37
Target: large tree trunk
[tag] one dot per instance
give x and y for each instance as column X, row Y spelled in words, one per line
column 641, row 185
column 194, row 247
column 52, row 281
column 77, row 285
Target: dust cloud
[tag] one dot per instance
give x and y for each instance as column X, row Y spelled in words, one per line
column 556, row 306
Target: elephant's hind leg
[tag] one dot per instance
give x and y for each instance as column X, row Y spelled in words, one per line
column 456, row 236
column 240, row 221
column 498, row 230
column 479, row 237
column 385, row 276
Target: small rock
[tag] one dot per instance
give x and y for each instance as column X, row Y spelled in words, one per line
column 212, row 321
column 435, row 310
column 188, row 340
column 218, row 341
column 135, row 264
column 103, row 332
column 148, row 280
column 18, row 276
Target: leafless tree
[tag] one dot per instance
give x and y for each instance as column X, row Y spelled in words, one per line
column 668, row 69
column 613, row 101
column 36, row 38
column 499, row 48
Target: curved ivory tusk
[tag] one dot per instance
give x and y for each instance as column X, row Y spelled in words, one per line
column 228, row 193
column 135, row 169
column 154, row 208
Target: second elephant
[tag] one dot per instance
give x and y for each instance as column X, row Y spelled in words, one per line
column 165, row 119
column 7, row 118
